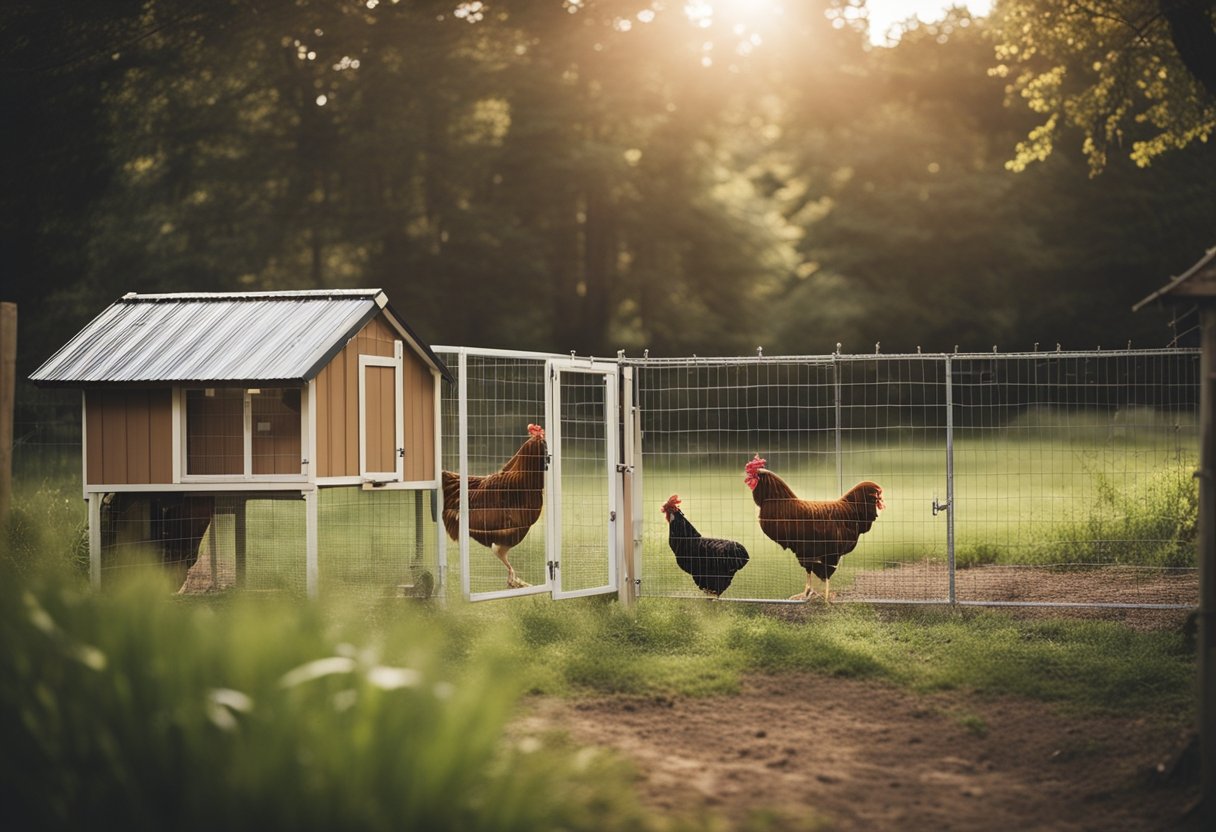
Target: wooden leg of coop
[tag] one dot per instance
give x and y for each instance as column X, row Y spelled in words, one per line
column 310, row 543
column 239, row 529
column 213, row 545
column 418, row 527
column 95, row 540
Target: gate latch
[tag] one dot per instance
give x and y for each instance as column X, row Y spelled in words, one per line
column 552, row 570
column 939, row 507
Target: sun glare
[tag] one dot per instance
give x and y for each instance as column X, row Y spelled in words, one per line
column 886, row 17
column 732, row 12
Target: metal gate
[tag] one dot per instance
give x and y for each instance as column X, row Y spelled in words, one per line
column 583, row 483
column 572, row 549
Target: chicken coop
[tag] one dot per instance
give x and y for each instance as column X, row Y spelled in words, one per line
column 310, row 440
column 263, row 440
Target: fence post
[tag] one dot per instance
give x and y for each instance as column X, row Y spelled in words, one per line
column 8, row 381
column 839, row 407
column 625, row 538
column 462, row 445
column 1207, row 564
column 950, row 475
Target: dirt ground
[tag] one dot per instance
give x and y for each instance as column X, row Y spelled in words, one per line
column 1130, row 585
column 842, row 754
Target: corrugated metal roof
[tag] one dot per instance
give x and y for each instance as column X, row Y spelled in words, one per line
column 215, row 337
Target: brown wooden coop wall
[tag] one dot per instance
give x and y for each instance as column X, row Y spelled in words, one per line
column 338, row 407
column 129, row 436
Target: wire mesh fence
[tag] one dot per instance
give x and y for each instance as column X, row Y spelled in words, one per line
column 1031, row 478
column 1038, row 478
column 198, row 544
column 377, row 542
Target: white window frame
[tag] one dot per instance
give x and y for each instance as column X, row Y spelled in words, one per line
column 397, row 363
column 182, row 439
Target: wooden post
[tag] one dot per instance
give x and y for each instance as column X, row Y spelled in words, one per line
column 8, row 388
column 1207, row 565
column 213, row 545
column 95, row 539
column 417, row 528
column 239, row 528
column 310, row 543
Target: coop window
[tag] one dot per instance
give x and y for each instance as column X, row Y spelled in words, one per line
column 243, row 432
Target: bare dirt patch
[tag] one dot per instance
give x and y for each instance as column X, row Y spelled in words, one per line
column 860, row 755
column 1089, row 588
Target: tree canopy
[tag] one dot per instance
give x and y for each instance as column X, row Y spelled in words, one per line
column 604, row 174
column 1136, row 76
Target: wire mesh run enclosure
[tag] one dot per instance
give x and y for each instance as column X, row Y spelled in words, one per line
column 370, row 543
column 535, row 436
column 377, row 542
column 1053, row 478
column 200, row 544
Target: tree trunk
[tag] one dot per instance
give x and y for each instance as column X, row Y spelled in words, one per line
column 1194, row 37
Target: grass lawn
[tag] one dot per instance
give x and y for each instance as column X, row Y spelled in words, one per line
column 206, row 713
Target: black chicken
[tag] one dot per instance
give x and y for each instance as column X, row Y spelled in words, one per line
column 710, row 561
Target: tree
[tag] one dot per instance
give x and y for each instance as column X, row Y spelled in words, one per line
column 1126, row 73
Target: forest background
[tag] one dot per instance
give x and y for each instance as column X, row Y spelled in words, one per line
column 593, row 175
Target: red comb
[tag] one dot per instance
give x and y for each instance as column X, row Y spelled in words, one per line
column 536, row 431
column 673, row 503
column 755, row 465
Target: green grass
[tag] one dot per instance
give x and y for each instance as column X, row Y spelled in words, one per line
column 251, row 712
column 264, row 713
column 676, row 647
column 1048, row 489
column 1082, row 496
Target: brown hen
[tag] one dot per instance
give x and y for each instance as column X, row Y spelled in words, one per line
column 818, row 532
column 502, row 506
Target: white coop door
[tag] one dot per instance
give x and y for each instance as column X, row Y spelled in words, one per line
column 381, row 426
column 583, row 482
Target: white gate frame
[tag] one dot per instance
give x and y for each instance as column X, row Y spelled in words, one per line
column 555, row 364
column 553, row 534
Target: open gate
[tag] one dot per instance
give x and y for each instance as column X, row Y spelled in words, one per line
column 572, row 550
column 583, row 485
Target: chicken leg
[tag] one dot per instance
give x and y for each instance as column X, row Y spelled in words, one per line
column 808, row 593
column 501, row 552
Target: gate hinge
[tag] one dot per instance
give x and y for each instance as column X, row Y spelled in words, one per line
column 552, row 570
column 612, row 517
column 624, row 469
column 939, row 507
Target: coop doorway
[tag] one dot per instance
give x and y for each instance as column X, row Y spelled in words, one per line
column 381, row 425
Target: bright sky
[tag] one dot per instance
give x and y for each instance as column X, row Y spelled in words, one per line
column 883, row 14
column 886, row 13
